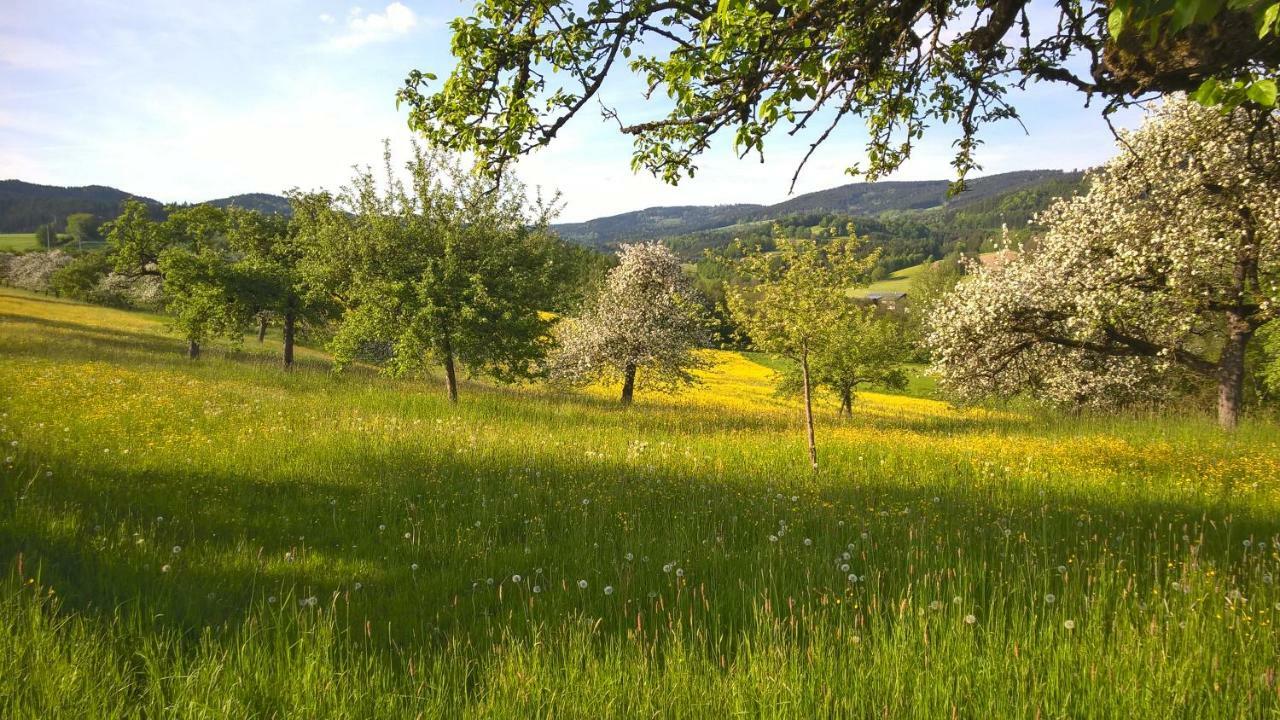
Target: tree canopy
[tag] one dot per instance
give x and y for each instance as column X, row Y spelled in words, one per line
column 1169, row 263
column 747, row 67
column 793, row 299
column 437, row 269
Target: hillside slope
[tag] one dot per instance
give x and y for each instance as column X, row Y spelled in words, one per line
column 855, row 199
column 180, row 537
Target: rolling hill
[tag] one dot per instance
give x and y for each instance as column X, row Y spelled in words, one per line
column 25, row 206
column 855, row 199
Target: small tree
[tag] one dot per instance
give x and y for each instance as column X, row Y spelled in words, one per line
column 865, row 347
column 646, row 323
column 1170, row 262
column 47, row 236
column 442, row 268
column 83, row 228
column 794, row 299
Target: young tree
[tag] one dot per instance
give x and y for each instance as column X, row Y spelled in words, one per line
column 794, row 298
column 748, row 67
column 83, row 228
column 646, row 323
column 47, row 236
column 1171, row 261
column 442, row 268
column 865, row 347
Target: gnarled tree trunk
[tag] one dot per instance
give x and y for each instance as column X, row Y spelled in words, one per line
column 262, row 327
column 1231, row 371
column 628, row 383
column 193, row 349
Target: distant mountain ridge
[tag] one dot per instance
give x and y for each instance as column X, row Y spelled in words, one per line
column 25, row 206
column 860, row 199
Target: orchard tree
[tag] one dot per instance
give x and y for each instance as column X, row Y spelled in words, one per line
column 750, row 68
column 438, row 268
column 204, row 295
column 135, row 239
column 646, row 323
column 270, row 256
column 189, row 251
column 794, row 298
column 1169, row 263
column 865, row 347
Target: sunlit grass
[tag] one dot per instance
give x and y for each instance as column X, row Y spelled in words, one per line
column 220, row 538
column 12, row 242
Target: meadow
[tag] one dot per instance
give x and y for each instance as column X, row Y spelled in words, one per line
column 12, row 242
column 223, row 539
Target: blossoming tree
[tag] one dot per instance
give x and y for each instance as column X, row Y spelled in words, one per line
column 1169, row 264
column 646, row 323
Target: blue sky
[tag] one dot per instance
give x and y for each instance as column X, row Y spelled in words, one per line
column 186, row 101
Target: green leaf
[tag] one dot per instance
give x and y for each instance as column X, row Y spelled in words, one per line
column 1115, row 22
column 1184, row 12
column 1208, row 93
column 1263, row 92
column 1267, row 23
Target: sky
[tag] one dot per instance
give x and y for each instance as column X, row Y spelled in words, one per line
column 190, row 101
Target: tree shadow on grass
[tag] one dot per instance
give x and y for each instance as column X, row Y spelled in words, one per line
column 95, row 534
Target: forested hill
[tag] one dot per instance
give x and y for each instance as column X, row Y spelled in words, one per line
column 25, row 206
column 865, row 200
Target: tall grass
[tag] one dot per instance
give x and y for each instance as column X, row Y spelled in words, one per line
column 220, row 539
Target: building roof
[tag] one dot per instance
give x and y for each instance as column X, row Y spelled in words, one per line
column 887, row 295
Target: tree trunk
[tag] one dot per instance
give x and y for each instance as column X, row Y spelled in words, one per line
column 450, row 376
column 193, row 349
column 846, row 403
column 628, row 383
column 808, row 409
column 1231, row 371
column 1239, row 327
column 262, row 327
column 289, row 322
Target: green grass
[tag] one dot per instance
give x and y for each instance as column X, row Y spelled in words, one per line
column 898, row 281
column 161, row 520
column 11, row 242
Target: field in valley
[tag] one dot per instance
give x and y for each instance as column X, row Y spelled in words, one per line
column 11, row 242
column 223, row 539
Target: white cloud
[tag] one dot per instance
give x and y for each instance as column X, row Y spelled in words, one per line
column 396, row 20
column 326, row 18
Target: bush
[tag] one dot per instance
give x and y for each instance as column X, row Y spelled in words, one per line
column 79, row 278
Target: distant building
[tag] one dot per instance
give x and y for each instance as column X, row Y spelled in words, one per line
column 889, row 300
